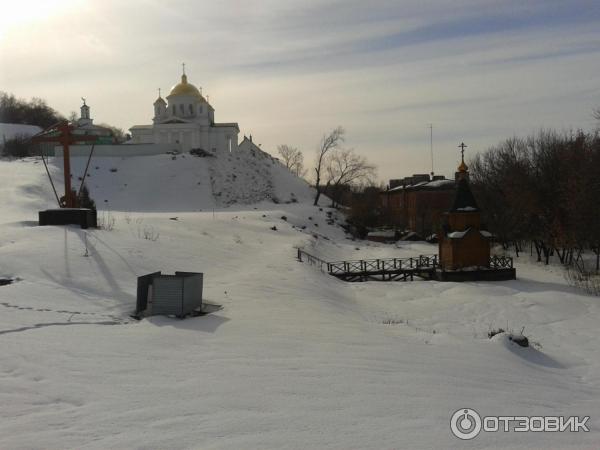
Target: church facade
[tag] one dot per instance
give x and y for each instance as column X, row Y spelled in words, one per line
column 186, row 120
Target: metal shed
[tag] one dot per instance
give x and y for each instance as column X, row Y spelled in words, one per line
column 169, row 295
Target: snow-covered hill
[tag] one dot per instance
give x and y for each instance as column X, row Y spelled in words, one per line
column 295, row 359
column 186, row 182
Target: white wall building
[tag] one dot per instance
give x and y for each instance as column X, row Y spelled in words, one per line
column 187, row 121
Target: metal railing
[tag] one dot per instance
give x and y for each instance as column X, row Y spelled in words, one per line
column 312, row 260
column 370, row 265
column 501, row 262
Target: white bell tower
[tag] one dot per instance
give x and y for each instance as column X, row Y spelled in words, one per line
column 85, row 115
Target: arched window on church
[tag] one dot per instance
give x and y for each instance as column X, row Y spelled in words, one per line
column 199, row 109
column 174, row 110
column 181, row 109
column 191, row 109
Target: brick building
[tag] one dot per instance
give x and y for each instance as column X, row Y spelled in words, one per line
column 417, row 203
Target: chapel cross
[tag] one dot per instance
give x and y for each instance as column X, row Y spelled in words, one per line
column 462, row 150
column 183, row 65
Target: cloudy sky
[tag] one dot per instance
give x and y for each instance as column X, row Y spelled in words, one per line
column 289, row 70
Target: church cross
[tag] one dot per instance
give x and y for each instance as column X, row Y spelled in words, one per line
column 183, row 66
column 462, row 150
column 159, row 92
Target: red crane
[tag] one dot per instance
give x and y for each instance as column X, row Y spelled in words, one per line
column 62, row 133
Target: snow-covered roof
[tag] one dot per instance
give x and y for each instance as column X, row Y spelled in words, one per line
column 464, row 201
column 440, row 183
column 458, row 234
column 461, row 234
column 436, row 184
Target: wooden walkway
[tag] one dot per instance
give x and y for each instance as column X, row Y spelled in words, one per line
column 424, row 267
column 389, row 269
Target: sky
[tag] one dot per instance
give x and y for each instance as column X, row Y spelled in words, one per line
column 289, row 71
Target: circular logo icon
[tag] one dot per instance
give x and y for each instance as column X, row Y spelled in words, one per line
column 465, row 423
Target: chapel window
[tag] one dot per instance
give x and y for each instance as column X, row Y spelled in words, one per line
column 181, row 109
column 191, row 109
column 174, row 110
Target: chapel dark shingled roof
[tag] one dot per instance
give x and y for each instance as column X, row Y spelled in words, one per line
column 464, row 200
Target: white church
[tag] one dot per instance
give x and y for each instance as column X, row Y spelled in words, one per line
column 186, row 121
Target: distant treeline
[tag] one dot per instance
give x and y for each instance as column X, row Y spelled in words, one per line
column 543, row 190
column 33, row 112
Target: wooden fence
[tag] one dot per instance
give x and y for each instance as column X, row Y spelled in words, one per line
column 392, row 269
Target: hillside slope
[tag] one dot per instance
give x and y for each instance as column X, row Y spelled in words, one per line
column 185, row 182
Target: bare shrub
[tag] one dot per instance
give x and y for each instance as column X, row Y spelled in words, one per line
column 585, row 280
column 106, row 221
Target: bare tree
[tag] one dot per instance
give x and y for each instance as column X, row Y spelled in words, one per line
column 293, row 159
column 329, row 142
column 344, row 168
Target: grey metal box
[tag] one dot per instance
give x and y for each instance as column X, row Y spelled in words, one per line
column 177, row 295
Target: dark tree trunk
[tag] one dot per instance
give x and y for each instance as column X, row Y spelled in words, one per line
column 538, row 250
column 547, row 252
column 561, row 256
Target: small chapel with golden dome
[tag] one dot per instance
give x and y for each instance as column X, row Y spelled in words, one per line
column 186, row 120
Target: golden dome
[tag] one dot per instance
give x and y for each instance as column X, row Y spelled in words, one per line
column 185, row 88
column 463, row 167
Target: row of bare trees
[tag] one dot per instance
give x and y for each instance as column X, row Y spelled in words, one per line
column 337, row 169
column 543, row 190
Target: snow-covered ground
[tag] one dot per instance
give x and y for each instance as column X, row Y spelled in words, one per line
column 12, row 130
column 295, row 359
